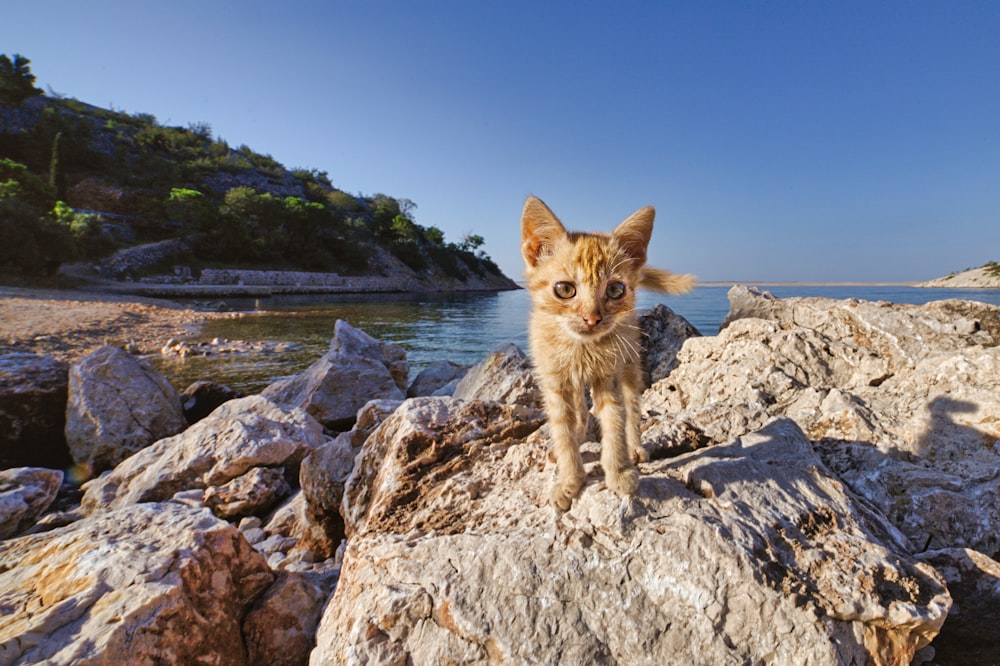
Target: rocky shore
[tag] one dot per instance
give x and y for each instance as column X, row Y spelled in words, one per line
column 984, row 277
column 824, row 488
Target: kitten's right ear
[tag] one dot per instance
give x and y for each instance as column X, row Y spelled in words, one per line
column 540, row 230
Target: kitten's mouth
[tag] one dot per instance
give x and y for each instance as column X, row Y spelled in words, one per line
column 589, row 332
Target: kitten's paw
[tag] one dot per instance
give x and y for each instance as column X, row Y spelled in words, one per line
column 563, row 494
column 624, row 481
column 640, row 455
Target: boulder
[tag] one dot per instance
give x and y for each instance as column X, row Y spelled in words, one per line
column 435, row 377
column 252, row 493
column 358, row 368
column 663, row 334
column 118, row 405
column 151, row 583
column 969, row 635
column 33, row 392
column 749, row 552
column 25, row 493
column 280, row 629
column 503, row 376
column 901, row 401
column 325, row 470
column 240, row 435
column 201, row 398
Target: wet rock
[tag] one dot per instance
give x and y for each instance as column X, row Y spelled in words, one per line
column 25, row 493
column 142, row 584
column 219, row 347
column 118, row 405
column 741, row 553
column 33, row 392
column 503, row 376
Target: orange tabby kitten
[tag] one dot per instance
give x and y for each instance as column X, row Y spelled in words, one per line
column 584, row 332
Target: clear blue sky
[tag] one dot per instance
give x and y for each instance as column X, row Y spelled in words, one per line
column 777, row 140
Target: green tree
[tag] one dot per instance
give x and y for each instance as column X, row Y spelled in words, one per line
column 57, row 169
column 17, row 83
column 190, row 208
column 404, row 229
column 470, row 242
column 434, row 236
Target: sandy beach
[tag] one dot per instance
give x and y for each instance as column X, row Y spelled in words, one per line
column 68, row 324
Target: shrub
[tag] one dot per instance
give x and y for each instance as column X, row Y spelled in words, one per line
column 17, row 83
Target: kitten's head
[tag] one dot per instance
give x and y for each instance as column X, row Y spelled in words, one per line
column 586, row 281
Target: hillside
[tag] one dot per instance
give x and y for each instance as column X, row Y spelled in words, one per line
column 80, row 183
column 984, row 277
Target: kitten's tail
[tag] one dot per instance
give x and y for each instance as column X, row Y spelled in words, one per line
column 665, row 282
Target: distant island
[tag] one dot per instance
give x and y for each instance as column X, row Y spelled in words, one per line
column 986, row 276
column 119, row 198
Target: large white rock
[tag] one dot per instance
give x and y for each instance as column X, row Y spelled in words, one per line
column 153, row 583
column 746, row 553
column 358, row 368
column 902, row 400
column 238, row 436
column 118, row 404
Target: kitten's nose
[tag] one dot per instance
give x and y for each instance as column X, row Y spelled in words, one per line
column 593, row 319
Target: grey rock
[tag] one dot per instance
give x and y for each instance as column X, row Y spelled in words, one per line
column 33, row 392
column 25, row 493
column 969, row 635
column 503, row 376
column 663, row 334
column 358, row 368
column 118, row 405
column 201, row 398
column 435, row 377
column 238, row 436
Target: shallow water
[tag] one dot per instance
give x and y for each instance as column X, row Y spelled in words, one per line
column 431, row 327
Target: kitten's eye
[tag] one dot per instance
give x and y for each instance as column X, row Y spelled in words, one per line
column 564, row 289
column 615, row 290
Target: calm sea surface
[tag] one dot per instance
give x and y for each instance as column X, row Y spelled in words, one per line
column 460, row 328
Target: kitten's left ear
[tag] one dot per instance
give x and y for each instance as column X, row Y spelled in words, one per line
column 540, row 229
column 633, row 234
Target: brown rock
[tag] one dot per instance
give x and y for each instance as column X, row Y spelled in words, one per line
column 152, row 583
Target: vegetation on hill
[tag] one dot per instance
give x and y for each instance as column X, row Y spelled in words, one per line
column 79, row 182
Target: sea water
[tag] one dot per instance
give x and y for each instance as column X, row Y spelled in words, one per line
column 435, row 327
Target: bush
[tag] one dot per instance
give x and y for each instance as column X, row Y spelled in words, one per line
column 17, row 83
column 33, row 243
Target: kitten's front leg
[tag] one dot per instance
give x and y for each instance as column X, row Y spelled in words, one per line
column 619, row 472
column 562, row 405
column 632, row 395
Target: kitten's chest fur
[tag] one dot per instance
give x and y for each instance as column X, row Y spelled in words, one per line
column 583, row 361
